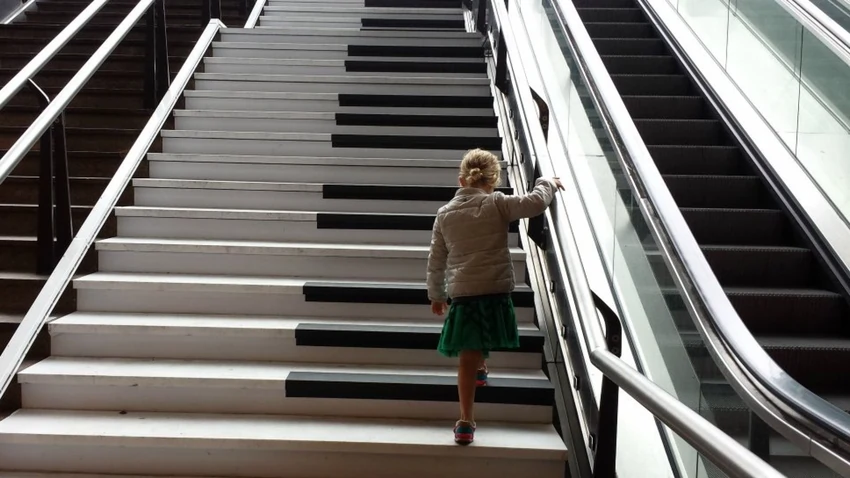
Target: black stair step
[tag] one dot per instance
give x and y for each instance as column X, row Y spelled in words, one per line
column 652, row 85
column 392, row 337
column 83, row 139
column 762, row 266
column 745, row 227
column 111, row 18
column 19, row 290
column 416, row 51
column 101, row 79
column 666, row 107
column 620, row 30
column 640, row 64
column 448, row 24
column 636, row 46
column 22, row 220
column 429, row 388
column 392, row 193
column 48, row 31
column 415, row 142
column 84, row 191
column 80, row 164
column 692, row 132
column 90, row 98
column 698, row 160
column 414, row 3
column 393, row 222
column 415, row 101
column 415, row 67
column 614, row 15
column 75, row 61
column 382, row 293
column 20, row 254
column 446, row 121
column 812, row 361
column 790, row 311
column 737, row 192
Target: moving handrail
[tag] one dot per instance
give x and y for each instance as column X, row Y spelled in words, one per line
column 724, row 451
column 821, row 25
column 35, row 65
column 13, row 356
column 722, row 329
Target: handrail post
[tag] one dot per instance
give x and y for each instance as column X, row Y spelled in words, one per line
column 605, row 448
column 62, row 193
column 163, row 68
column 45, row 228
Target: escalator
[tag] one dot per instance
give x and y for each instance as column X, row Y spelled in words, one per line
column 775, row 280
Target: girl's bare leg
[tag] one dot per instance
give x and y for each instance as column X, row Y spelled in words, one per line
column 467, row 371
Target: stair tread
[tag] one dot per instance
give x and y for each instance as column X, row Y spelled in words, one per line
column 424, row 79
column 497, row 440
column 121, row 371
column 236, row 325
column 308, row 160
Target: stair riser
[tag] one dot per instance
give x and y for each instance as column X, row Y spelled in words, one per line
column 652, row 86
column 330, row 126
column 371, row 3
column 337, row 15
column 339, row 69
column 366, row 22
column 272, row 304
column 79, row 167
column 329, row 267
column 316, row 86
column 124, row 64
column 245, row 458
column 741, row 228
column 598, row 14
column 97, row 33
column 83, row 193
column 350, row 38
column 253, row 399
column 665, row 108
column 718, row 192
column 251, row 230
column 632, row 47
column 86, row 142
column 698, row 161
column 780, row 315
column 17, row 296
column 304, row 173
column 270, row 200
column 288, row 9
column 640, row 65
column 47, row 79
column 300, row 148
column 88, row 100
column 279, row 54
column 268, row 347
column 23, row 222
column 620, row 30
column 24, row 257
column 94, row 120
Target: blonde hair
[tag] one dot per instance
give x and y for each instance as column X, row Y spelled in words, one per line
column 480, row 168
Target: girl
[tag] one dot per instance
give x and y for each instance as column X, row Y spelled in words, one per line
column 470, row 263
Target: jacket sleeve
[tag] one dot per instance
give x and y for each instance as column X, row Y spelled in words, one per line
column 532, row 204
column 437, row 265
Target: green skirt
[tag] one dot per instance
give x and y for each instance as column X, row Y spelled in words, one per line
column 481, row 323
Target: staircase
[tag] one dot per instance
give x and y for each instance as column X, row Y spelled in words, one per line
column 101, row 125
column 262, row 309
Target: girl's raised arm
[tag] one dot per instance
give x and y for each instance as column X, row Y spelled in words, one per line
column 531, row 204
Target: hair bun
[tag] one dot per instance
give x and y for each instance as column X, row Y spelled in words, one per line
column 474, row 174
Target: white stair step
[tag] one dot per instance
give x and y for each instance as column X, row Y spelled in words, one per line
column 250, row 445
column 304, row 169
column 300, row 102
column 306, row 144
column 318, row 51
column 266, row 338
column 355, row 14
column 364, row 85
column 334, row 261
column 252, row 295
column 291, row 122
column 369, row 391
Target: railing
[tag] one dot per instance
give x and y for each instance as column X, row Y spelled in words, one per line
column 12, row 357
column 603, row 347
column 17, row 12
column 55, row 229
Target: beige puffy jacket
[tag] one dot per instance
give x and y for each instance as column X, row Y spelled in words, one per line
column 469, row 243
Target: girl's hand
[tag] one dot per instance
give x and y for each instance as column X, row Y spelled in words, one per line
column 438, row 308
column 557, row 182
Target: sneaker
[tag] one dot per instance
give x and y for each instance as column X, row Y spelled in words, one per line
column 481, row 379
column 464, row 432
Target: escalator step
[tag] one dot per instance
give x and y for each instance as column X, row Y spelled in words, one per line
column 652, row 85
column 767, row 227
column 635, row 46
column 620, row 15
column 698, row 159
column 701, row 191
column 788, row 311
column 811, row 360
column 665, row 107
column 640, row 64
column 620, row 30
column 694, row 132
column 740, row 266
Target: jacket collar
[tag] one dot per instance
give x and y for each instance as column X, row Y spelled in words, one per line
column 470, row 192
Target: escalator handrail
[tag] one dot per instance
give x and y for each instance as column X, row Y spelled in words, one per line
column 821, row 25
column 692, row 273
column 718, row 447
column 38, row 315
column 13, row 86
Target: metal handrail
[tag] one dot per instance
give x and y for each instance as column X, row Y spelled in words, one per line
column 256, row 12
column 821, row 25
column 49, row 51
column 724, row 451
column 22, row 146
column 12, row 357
column 695, row 278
